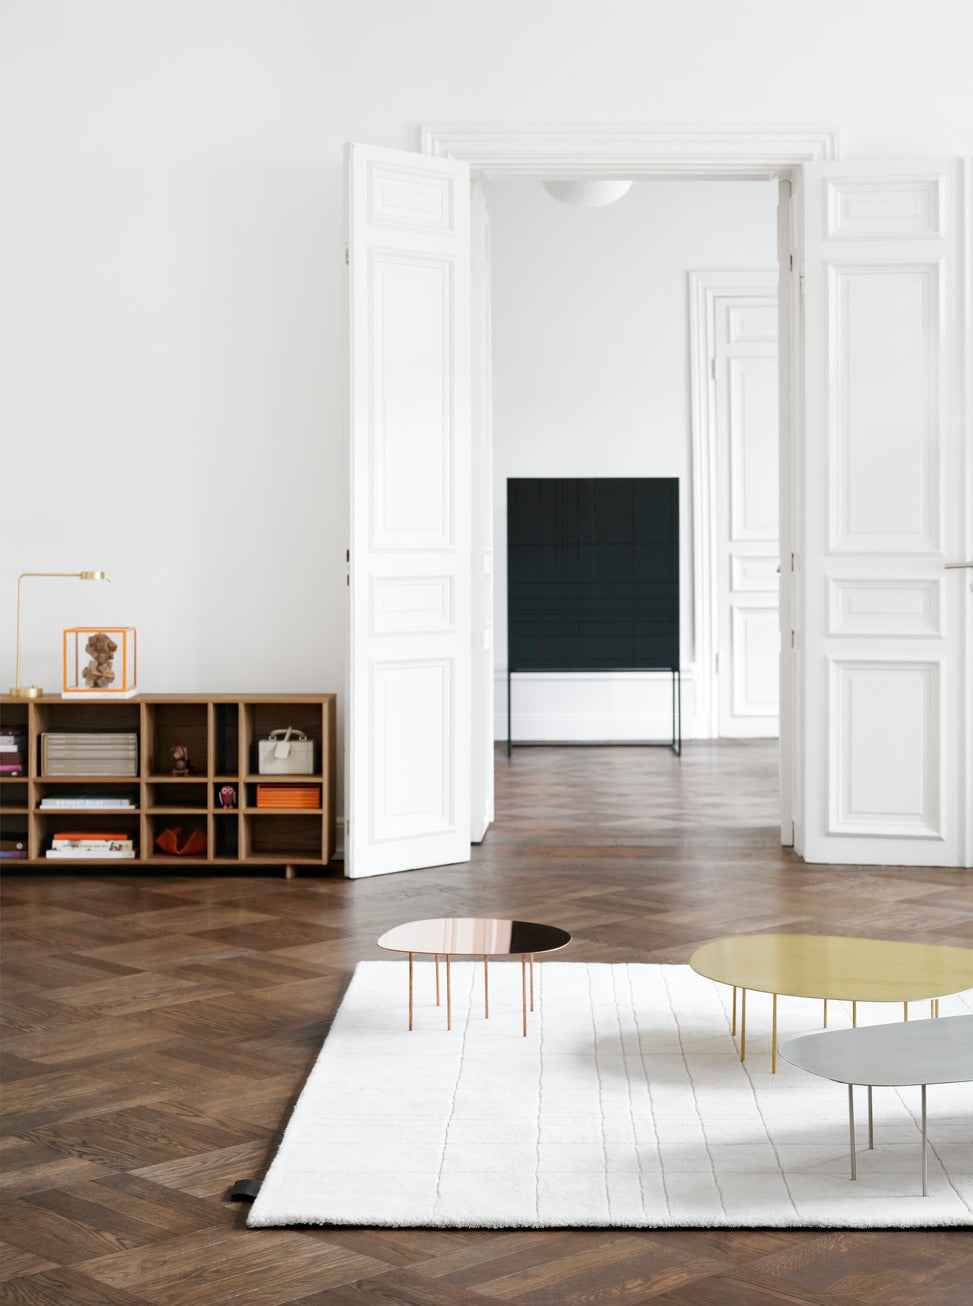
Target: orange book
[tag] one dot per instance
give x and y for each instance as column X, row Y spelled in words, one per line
column 108, row 836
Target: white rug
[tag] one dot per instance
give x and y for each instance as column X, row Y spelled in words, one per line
column 626, row 1105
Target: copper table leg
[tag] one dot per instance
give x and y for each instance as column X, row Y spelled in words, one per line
column 437, row 979
column 410, row 992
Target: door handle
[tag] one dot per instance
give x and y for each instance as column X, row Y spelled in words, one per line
column 957, row 566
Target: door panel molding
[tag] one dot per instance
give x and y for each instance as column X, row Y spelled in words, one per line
column 734, row 314
column 410, row 575
column 885, row 632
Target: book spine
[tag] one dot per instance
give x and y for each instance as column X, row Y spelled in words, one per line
column 82, row 853
column 95, row 803
column 112, row 846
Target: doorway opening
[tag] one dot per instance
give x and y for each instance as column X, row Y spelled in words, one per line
column 595, row 313
column 872, row 298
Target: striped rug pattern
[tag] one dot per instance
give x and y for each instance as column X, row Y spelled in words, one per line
column 626, row 1106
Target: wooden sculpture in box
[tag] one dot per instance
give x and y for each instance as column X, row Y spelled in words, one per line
column 99, row 662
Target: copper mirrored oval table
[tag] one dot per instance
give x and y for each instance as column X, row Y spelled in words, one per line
column 475, row 936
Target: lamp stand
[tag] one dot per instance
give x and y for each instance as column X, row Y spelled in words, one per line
column 35, row 691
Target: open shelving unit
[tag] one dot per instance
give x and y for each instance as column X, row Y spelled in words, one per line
column 221, row 732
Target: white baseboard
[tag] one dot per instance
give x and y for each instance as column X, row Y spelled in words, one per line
column 602, row 706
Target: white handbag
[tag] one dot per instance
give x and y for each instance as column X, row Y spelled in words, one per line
column 286, row 752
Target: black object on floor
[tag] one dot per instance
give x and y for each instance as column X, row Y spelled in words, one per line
column 244, row 1190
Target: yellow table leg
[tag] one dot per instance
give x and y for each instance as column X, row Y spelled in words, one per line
column 854, row 1015
column 932, row 1008
column 733, row 1030
column 826, row 1013
column 743, row 1024
column 523, row 987
column 410, row 992
column 905, row 1011
column 773, row 1041
column 486, row 990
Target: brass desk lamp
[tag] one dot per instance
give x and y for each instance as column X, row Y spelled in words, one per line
column 35, row 691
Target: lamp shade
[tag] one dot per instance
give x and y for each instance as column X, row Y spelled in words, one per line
column 590, row 192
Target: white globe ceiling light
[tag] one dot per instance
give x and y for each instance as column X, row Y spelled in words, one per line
column 592, row 193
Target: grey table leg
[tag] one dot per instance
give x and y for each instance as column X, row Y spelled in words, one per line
column 871, row 1136
column 924, row 1187
column 851, row 1129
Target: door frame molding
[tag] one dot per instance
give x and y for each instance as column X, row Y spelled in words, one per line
column 705, row 289
column 746, row 151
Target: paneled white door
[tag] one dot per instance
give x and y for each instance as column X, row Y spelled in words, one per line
column 409, row 658
column 747, row 551
column 884, row 628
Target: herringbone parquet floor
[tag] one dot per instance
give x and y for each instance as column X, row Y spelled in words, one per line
column 157, row 1031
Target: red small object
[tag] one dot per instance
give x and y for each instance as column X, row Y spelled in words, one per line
column 181, row 843
column 227, row 796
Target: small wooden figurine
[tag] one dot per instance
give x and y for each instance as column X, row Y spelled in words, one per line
column 98, row 674
column 227, row 796
column 180, row 760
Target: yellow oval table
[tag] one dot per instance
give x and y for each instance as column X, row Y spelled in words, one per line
column 832, row 966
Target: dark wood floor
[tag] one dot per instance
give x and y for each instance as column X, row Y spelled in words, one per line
column 157, row 1031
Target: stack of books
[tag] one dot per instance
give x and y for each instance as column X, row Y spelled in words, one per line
column 13, row 750
column 74, row 844
column 13, row 850
column 96, row 752
column 288, row 796
column 99, row 802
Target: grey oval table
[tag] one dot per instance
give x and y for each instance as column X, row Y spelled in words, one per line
column 918, row 1052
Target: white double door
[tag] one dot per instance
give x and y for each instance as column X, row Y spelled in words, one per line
column 878, row 634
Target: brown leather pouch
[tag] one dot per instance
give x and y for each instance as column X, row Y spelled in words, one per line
column 178, row 842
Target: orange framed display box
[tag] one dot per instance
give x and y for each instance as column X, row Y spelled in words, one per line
column 99, row 662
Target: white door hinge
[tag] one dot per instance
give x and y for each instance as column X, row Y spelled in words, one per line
column 347, row 257
column 791, row 257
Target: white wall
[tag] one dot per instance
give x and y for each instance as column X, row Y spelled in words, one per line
column 591, row 378
column 172, row 268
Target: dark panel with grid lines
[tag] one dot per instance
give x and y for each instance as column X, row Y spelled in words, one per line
column 593, row 573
